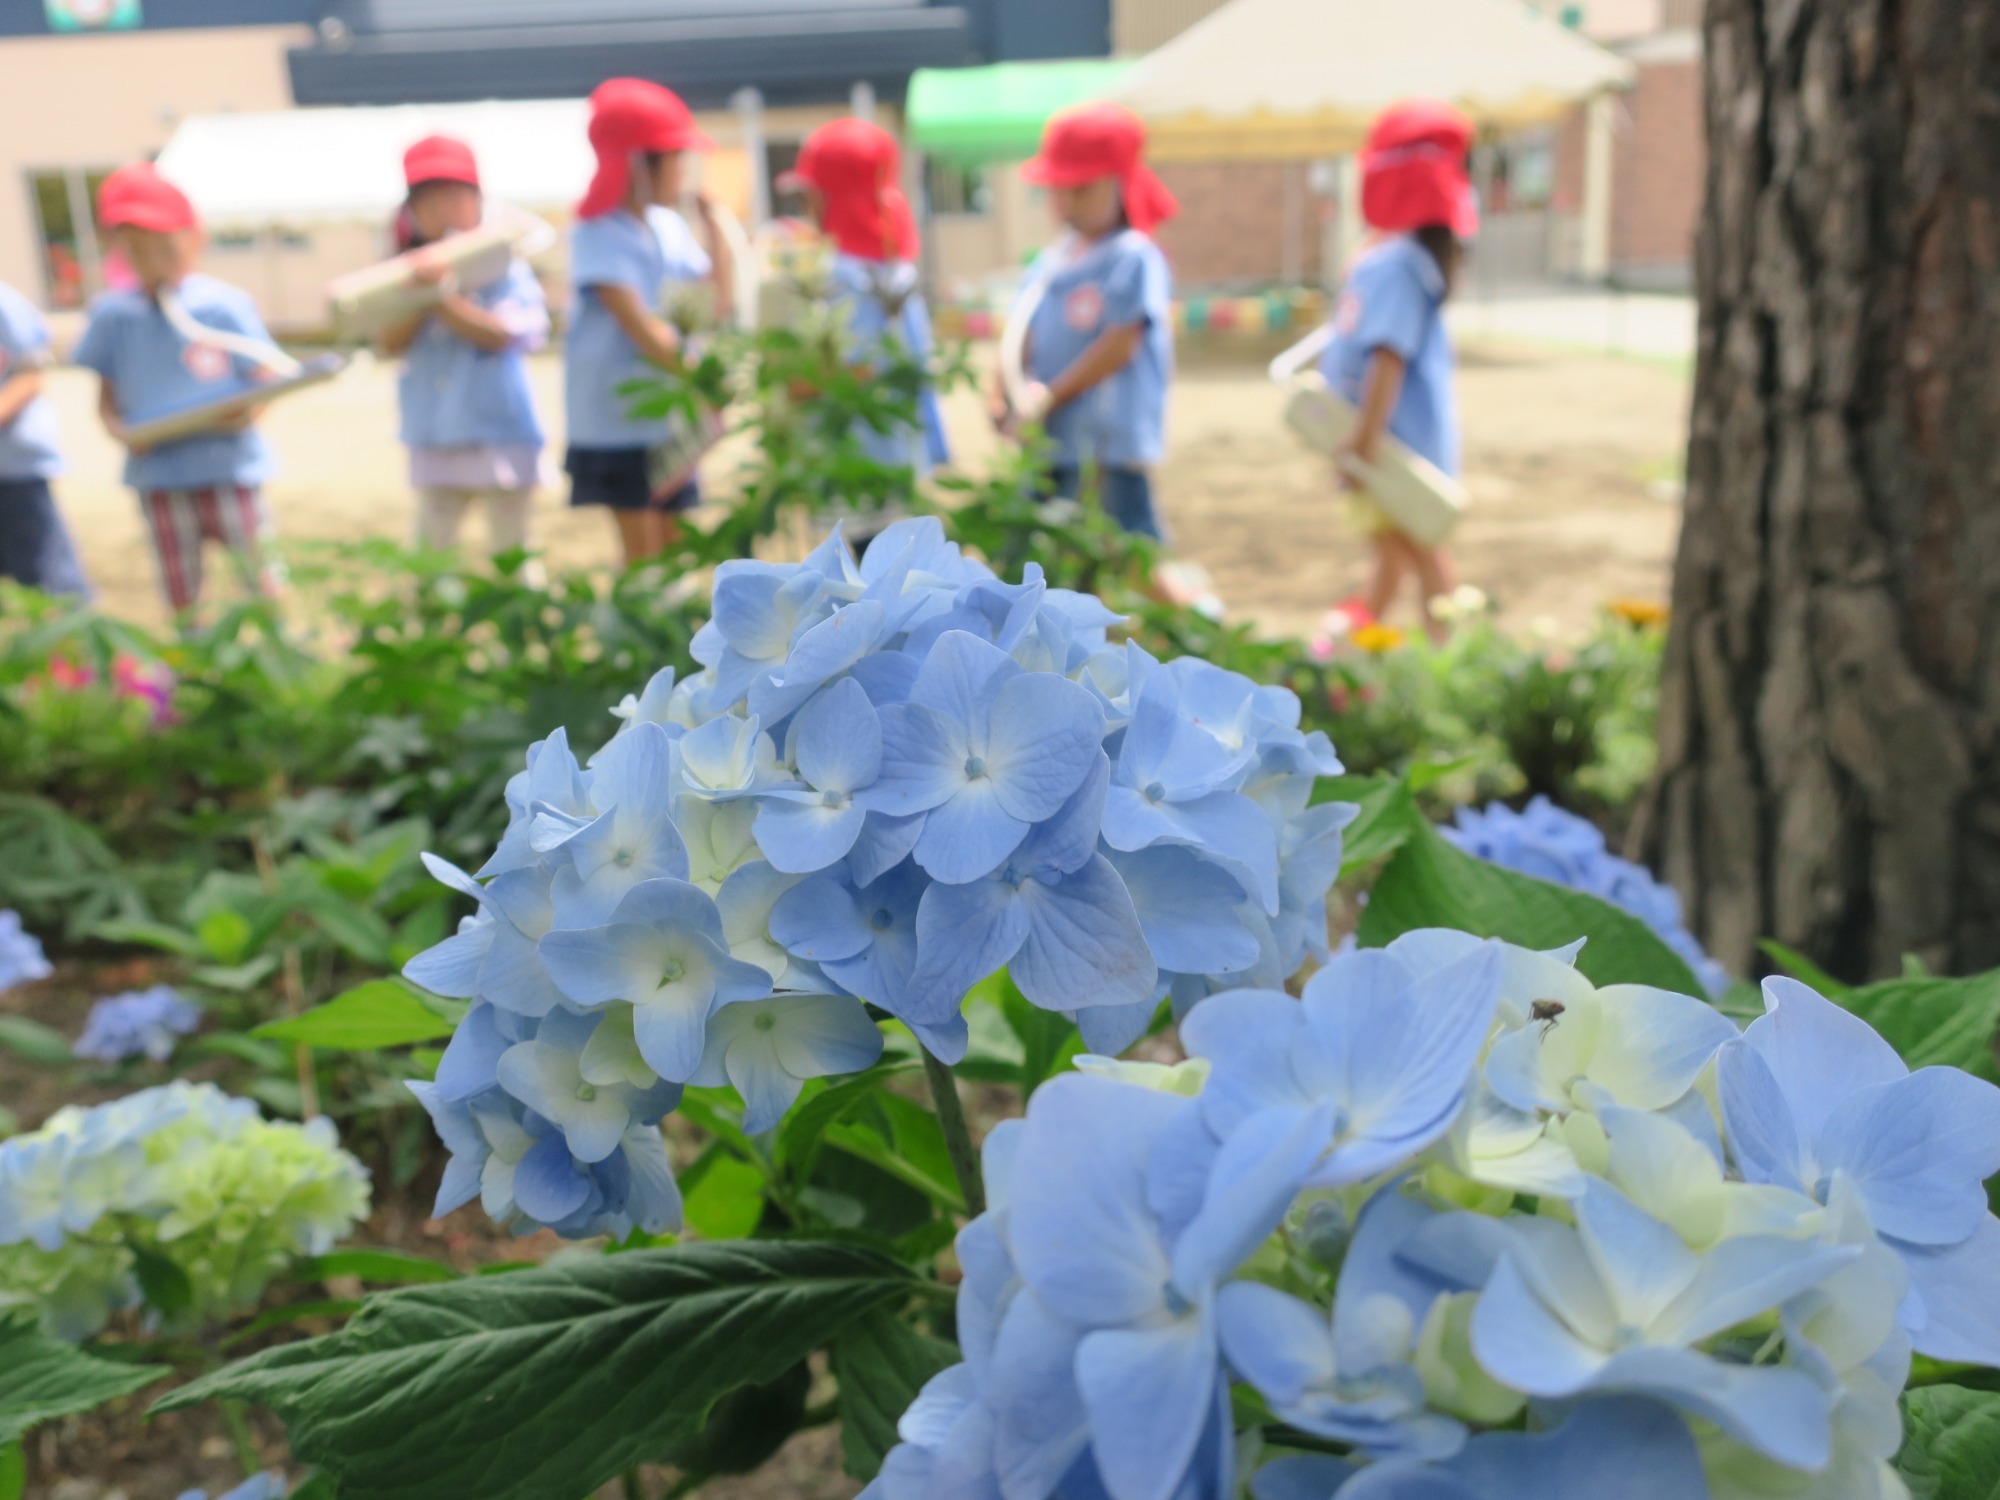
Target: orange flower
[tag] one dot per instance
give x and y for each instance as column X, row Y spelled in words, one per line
column 1639, row 612
column 1375, row 639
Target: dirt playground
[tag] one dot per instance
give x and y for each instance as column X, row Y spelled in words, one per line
column 1569, row 458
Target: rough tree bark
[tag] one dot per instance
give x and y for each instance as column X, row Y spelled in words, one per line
column 1830, row 717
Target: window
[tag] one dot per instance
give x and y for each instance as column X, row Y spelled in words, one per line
column 956, row 190
column 72, row 263
column 779, row 158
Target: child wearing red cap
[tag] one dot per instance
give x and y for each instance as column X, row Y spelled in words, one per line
column 468, row 416
column 1390, row 353
column 1100, row 347
column 850, row 172
column 147, row 345
column 35, row 546
column 627, row 246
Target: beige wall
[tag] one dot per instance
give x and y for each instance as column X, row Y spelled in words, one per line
column 99, row 101
column 1141, row 25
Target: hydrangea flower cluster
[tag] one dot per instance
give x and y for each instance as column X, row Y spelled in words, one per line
column 1469, row 1228
column 22, row 960
column 141, row 1023
column 182, row 1172
column 890, row 779
column 1552, row 844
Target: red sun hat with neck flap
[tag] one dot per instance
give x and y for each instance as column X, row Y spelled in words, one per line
column 439, row 158
column 629, row 115
column 1413, row 170
column 139, row 197
column 856, row 167
column 1095, row 141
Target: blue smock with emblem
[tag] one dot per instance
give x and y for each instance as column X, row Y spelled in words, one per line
column 644, row 255
column 154, row 372
column 1116, row 282
column 1394, row 299
column 882, row 302
column 28, row 443
column 455, row 394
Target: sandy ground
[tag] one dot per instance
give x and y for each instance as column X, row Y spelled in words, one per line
column 1564, row 453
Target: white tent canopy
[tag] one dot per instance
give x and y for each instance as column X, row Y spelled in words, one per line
column 308, row 166
column 1297, row 79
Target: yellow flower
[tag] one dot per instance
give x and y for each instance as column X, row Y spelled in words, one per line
column 1375, row 639
column 1639, row 612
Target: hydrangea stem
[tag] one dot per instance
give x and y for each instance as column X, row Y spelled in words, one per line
column 957, row 1134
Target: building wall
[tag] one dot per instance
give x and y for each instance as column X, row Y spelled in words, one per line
column 96, row 101
column 1658, row 162
column 1243, row 225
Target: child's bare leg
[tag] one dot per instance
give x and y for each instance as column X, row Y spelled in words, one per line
column 635, row 535
column 1391, row 563
column 1436, row 577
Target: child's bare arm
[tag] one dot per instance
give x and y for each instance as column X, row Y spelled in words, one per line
column 107, row 412
column 1381, row 388
column 653, row 335
column 1110, row 352
column 16, row 392
column 721, row 260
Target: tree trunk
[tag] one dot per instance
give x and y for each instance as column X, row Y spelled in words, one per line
column 1830, row 716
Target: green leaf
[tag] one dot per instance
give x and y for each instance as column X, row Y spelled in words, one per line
column 1048, row 1039
column 881, row 1363
column 44, row 1377
column 360, row 931
column 225, row 936
column 381, row 1013
column 13, row 1471
column 1803, row 969
column 33, row 1042
column 1934, row 1021
column 385, row 1267
column 165, row 1284
column 1432, row 884
column 746, row 1427
column 1951, row 1444
column 722, row 1195
column 799, row 1136
column 550, row 1382
column 151, row 935
column 1389, row 815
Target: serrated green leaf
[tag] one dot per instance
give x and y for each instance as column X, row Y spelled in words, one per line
column 1951, row 1443
column 381, row 1013
column 881, row 1363
column 33, row 1042
column 1934, row 1021
column 43, row 1377
column 544, row 1384
column 384, row 1267
column 1430, row 883
column 746, row 1427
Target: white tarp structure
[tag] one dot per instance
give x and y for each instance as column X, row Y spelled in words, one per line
column 1269, row 80
column 314, row 166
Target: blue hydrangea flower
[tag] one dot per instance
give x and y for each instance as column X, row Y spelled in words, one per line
column 1545, row 841
column 767, row 1049
column 21, row 958
column 142, row 1023
column 836, row 743
column 986, row 751
column 263, row 1486
column 664, row 953
column 1812, row 1098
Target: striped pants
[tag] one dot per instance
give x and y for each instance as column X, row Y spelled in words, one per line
column 232, row 515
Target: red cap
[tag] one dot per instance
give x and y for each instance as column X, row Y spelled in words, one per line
column 1094, row 141
column 139, row 196
column 439, row 158
column 1413, row 170
column 856, row 167
column 628, row 115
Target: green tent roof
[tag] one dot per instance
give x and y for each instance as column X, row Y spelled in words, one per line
column 997, row 113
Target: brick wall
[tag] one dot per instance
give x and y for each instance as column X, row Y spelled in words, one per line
column 1658, row 162
column 1232, row 226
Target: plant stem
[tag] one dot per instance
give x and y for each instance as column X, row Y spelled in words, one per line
column 957, row 1134
column 240, row 1438
column 294, row 985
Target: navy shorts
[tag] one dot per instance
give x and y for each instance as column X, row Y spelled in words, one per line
column 35, row 548
column 617, row 478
